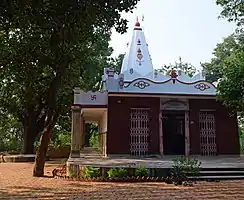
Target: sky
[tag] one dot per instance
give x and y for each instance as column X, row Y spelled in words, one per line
column 189, row 29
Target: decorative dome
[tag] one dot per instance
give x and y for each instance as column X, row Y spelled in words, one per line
column 137, row 60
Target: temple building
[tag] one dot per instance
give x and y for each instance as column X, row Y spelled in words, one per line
column 142, row 113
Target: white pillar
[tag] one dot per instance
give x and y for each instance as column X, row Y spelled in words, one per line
column 76, row 132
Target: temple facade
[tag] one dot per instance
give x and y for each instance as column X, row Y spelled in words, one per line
column 142, row 113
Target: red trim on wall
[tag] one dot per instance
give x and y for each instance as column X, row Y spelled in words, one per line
column 186, row 83
column 90, row 106
column 138, row 29
column 159, row 94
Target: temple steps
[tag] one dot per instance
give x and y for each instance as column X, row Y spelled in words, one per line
column 89, row 152
column 206, row 174
column 220, row 174
column 223, row 177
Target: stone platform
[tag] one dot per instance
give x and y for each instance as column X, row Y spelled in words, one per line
column 164, row 162
column 217, row 167
column 18, row 158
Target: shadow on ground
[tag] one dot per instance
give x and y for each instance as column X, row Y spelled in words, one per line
column 85, row 191
column 117, row 191
column 17, row 183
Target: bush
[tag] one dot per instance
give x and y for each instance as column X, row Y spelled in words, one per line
column 184, row 166
column 94, row 140
column 142, row 172
column 73, row 174
column 11, row 134
column 92, row 172
column 60, row 139
column 117, row 173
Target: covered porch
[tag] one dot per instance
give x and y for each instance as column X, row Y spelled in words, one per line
column 88, row 107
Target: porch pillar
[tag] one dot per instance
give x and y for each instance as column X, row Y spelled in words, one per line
column 83, row 132
column 161, row 145
column 187, row 134
column 76, row 132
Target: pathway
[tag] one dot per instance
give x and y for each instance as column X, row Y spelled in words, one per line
column 16, row 182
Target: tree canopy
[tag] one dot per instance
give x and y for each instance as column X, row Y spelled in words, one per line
column 227, row 67
column 186, row 67
column 231, row 87
column 232, row 10
column 117, row 62
column 228, row 63
column 214, row 69
column 47, row 48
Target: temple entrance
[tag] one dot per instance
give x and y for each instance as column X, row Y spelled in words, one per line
column 95, row 130
column 173, row 125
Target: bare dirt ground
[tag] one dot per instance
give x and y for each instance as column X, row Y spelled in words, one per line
column 17, row 183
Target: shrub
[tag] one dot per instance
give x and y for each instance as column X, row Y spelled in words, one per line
column 92, row 172
column 117, row 173
column 94, row 140
column 184, row 166
column 73, row 173
column 60, row 139
column 142, row 172
column 11, row 134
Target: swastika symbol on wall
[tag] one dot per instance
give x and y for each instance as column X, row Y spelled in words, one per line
column 93, row 97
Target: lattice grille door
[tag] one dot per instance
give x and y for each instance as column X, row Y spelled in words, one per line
column 139, row 131
column 207, row 134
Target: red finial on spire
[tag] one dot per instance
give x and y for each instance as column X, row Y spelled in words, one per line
column 137, row 22
column 137, row 25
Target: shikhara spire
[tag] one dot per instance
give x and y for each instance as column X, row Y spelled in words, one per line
column 137, row 58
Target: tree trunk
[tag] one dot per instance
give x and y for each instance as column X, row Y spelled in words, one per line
column 30, row 134
column 33, row 125
column 41, row 153
column 51, row 117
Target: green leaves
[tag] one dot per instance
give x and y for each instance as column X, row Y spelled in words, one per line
column 187, row 68
column 116, row 63
column 214, row 69
column 49, row 47
column 233, row 10
column 184, row 166
column 228, row 66
column 231, row 87
column 228, row 63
